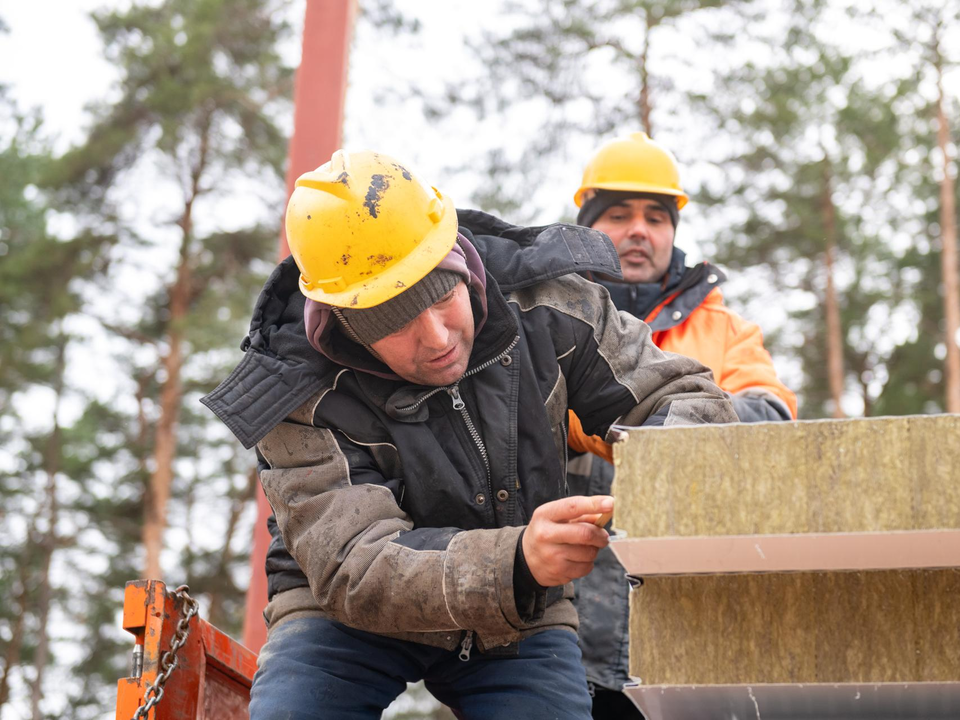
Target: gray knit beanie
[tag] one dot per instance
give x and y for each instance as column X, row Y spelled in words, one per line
column 375, row 323
column 598, row 203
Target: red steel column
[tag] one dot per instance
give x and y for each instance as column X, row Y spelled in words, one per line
column 321, row 89
column 319, row 94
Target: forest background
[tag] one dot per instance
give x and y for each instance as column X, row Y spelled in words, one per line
column 815, row 137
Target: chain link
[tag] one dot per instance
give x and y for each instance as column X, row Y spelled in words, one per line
column 169, row 662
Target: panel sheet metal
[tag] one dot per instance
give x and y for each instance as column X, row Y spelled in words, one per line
column 885, row 701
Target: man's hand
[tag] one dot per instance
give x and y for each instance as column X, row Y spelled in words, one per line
column 561, row 541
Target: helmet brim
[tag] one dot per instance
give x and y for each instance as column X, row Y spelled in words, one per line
column 682, row 197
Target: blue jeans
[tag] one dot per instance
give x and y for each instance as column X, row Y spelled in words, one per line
column 311, row 668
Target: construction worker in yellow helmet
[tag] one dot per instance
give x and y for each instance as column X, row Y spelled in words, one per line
column 631, row 191
column 406, row 381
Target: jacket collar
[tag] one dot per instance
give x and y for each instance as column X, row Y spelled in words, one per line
column 698, row 282
column 672, row 305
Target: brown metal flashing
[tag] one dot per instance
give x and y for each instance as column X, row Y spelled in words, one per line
column 904, row 701
column 789, row 553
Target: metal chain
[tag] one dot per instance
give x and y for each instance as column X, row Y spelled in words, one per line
column 169, row 662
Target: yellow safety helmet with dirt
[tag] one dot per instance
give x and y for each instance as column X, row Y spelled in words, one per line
column 362, row 229
column 632, row 164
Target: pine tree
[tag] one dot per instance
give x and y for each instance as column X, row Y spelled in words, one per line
column 102, row 459
column 40, row 279
column 197, row 112
column 814, row 143
column 921, row 41
column 565, row 73
column 200, row 83
column 934, row 19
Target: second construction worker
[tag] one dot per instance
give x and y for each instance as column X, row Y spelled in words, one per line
column 631, row 191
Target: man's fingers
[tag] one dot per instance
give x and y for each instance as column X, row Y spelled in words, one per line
column 576, row 506
column 591, row 518
column 573, row 534
column 561, row 541
column 600, row 520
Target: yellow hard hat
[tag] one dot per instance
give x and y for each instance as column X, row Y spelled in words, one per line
column 362, row 229
column 632, row 164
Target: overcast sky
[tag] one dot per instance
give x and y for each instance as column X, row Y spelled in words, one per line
column 51, row 59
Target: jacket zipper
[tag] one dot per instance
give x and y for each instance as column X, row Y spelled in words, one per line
column 459, row 404
column 466, row 645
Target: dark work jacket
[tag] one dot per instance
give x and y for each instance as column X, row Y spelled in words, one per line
column 398, row 507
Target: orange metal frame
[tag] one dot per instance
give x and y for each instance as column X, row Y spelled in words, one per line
column 215, row 671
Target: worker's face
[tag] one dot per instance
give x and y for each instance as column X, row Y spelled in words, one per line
column 434, row 347
column 642, row 233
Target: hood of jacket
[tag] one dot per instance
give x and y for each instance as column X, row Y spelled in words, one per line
column 280, row 369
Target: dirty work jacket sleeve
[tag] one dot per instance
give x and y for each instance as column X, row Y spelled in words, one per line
column 617, row 374
column 367, row 566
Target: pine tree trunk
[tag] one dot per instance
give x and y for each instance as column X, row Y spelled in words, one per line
column 831, row 303
column 171, row 395
column 171, row 392
column 644, row 103
column 11, row 655
column 41, row 656
column 864, row 372
column 48, row 544
column 143, row 425
column 948, row 257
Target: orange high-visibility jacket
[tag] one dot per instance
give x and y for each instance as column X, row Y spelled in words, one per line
column 720, row 339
